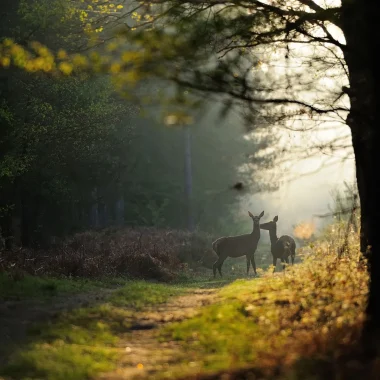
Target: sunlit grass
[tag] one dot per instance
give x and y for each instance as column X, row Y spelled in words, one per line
column 59, row 361
column 139, row 294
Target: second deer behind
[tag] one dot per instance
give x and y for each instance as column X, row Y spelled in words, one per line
column 237, row 246
column 282, row 247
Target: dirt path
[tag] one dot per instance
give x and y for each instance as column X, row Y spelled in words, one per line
column 144, row 356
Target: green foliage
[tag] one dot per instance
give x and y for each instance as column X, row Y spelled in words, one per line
column 60, row 137
column 69, row 144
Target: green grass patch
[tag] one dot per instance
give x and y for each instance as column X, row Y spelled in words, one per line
column 44, row 287
column 57, row 361
column 222, row 333
column 82, row 343
column 139, row 294
column 77, row 346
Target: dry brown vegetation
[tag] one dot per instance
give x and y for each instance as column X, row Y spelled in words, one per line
column 148, row 253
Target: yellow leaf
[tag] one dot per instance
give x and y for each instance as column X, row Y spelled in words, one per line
column 5, row 61
column 66, row 68
column 61, row 54
column 115, row 68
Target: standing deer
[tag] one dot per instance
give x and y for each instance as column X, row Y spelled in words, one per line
column 237, row 246
column 282, row 247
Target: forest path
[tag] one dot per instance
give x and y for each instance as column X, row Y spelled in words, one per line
column 144, row 354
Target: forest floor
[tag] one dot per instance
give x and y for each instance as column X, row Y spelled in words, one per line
column 47, row 324
column 201, row 328
column 25, row 322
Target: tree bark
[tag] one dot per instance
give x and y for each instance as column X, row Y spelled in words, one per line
column 6, row 230
column 25, row 223
column 359, row 25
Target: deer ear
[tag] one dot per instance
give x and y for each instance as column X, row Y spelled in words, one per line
column 250, row 214
column 262, row 214
column 275, row 218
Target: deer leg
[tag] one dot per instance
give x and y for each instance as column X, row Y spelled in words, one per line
column 218, row 264
column 214, row 267
column 274, row 263
column 221, row 261
column 253, row 264
column 248, row 263
column 283, row 261
column 292, row 257
column 287, row 260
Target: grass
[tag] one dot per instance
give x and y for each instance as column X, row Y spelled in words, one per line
column 45, row 287
column 139, row 294
column 222, row 333
column 83, row 342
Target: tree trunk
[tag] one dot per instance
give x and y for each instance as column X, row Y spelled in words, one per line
column 25, row 223
column 6, row 230
column 369, row 192
column 359, row 25
column 188, row 179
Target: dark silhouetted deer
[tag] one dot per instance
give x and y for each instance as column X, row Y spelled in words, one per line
column 282, row 247
column 237, row 246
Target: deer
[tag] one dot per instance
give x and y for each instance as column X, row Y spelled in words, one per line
column 282, row 247
column 237, row 246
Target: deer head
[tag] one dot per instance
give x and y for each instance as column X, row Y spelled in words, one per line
column 270, row 226
column 256, row 219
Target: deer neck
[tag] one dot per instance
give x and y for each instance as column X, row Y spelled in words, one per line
column 256, row 231
column 273, row 236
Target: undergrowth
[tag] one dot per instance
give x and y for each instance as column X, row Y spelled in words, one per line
column 140, row 253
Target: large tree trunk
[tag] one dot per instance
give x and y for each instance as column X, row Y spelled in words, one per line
column 369, row 194
column 360, row 28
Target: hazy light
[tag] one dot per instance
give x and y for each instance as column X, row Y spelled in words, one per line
column 264, row 67
column 304, row 230
column 171, row 120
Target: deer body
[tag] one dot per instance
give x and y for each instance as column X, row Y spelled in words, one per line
column 237, row 246
column 281, row 248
